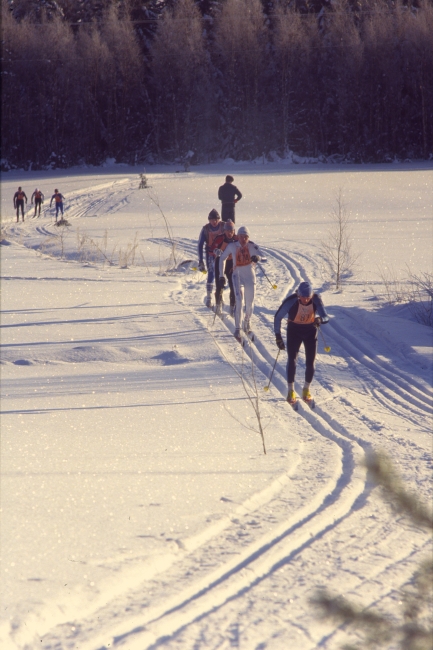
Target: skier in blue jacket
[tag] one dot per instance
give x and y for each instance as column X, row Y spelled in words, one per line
column 208, row 234
column 305, row 312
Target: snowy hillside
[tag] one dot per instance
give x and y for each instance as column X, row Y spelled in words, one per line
column 138, row 507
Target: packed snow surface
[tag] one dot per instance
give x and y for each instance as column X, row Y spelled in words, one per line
column 138, row 507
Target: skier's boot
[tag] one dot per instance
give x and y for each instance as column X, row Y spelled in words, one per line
column 237, row 335
column 292, row 398
column 307, row 397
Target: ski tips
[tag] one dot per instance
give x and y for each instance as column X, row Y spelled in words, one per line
column 327, row 348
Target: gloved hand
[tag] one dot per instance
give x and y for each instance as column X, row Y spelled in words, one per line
column 217, row 252
column 222, row 282
column 236, row 200
column 318, row 321
column 279, row 341
column 255, row 258
column 201, row 267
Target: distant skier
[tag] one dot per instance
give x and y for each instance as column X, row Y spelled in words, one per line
column 19, row 198
column 39, row 199
column 208, row 234
column 58, row 198
column 305, row 312
column 218, row 247
column 245, row 254
column 228, row 194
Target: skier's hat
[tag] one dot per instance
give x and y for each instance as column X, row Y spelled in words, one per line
column 214, row 214
column 243, row 230
column 229, row 225
column 305, row 290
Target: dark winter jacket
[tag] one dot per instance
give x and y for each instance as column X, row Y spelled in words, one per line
column 228, row 192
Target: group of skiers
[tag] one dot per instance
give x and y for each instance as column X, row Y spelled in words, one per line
column 223, row 253
column 37, row 198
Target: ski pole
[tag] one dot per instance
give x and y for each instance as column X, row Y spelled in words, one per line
column 274, row 286
column 327, row 348
column 266, row 388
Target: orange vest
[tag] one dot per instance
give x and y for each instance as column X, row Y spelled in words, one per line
column 243, row 257
column 305, row 314
column 20, row 196
column 211, row 235
column 58, row 197
column 38, row 195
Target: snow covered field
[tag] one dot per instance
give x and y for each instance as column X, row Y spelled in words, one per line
column 138, row 508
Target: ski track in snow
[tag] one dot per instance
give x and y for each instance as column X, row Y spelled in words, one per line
column 264, row 555
column 269, row 539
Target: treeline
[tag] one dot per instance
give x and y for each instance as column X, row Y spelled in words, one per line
column 241, row 78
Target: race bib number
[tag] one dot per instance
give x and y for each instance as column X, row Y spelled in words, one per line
column 305, row 314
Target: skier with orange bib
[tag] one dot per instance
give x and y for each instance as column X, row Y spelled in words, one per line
column 58, row 198
column 39, row 199
column 305, row 312
column 218, row 247
column 208, row 234
column 19, row 198
column 245, row 255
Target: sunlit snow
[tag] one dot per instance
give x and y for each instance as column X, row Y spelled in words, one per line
column 138, row 507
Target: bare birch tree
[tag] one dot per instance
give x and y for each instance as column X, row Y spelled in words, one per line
column 337, row 245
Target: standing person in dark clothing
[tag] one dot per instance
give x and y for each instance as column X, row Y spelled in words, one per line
column 19, row 198
column 219, row 245
column 228, row 194
column 305, row 312
column 39, row 199
column 58, row 198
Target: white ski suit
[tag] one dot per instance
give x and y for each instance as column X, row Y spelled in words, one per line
column 244, row 277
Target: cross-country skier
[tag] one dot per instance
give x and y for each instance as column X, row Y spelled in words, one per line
column 245, row 254
column 208, row 234
column 19, row 198
column 228, row 194
column 305, row 312
column 39, row 199
column 218, row 247
column 58, row 198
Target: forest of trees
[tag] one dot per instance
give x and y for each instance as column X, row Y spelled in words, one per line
column 150, row 80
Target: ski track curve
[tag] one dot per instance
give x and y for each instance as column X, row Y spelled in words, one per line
column 261, row 558
column 346, row 487
column 195, row 604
